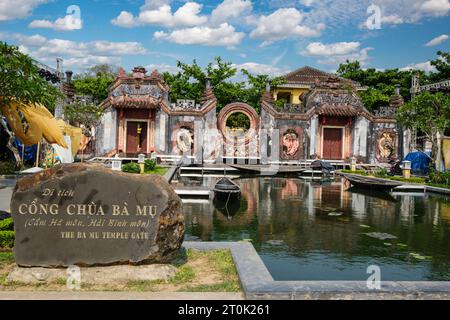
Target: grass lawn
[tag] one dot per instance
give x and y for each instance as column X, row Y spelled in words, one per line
column 158, row 170
column 205, row 271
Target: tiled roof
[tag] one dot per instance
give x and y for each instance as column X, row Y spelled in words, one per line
column 133, row 103
column 340, row 111
column 307, row 75
column 311, row 76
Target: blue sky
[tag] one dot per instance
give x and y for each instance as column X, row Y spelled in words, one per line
column 268, row 36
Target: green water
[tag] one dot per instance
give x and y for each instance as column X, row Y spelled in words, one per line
column 326, row 231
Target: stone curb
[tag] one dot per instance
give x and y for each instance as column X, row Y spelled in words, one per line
column 258, row 284
column 90, row 296
column 9, row 176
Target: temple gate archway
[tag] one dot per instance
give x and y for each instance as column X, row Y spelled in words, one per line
column 241, row 141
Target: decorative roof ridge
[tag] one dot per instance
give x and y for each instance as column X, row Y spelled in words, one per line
column 306, row 67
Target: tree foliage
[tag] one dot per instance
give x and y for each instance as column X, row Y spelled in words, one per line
column 381, row 84
column 95, row 82
column 189, row 83
column 20, row 80
column 442, row 65
column 428, row 113
column 82, row 114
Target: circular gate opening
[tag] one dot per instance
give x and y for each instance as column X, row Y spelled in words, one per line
column 238, row 124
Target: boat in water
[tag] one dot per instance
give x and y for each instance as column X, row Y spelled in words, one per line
column 371, row 183
column 226, row 188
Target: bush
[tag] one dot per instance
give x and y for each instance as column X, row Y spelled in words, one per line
column 410, row 180
column 131, row 167
column 7, row 239
column 7, row 168
column 7, row 225
column 150, row 165
column 382, row 173
column 361, row 172
column 440, row 178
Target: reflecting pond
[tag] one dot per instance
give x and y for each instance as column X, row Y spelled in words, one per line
column 327, row 231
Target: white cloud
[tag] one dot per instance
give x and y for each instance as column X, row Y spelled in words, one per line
column 437, row 41
column 340, row 48
column 224, row 35
column 259, row 68
column 423, row 66
column 341, row 13
column 125, row 20
column 307, row 3
column 162, row 68
column 89, row 61
column 282, row 24
column 229, row 9
column 68, row 23
column 10, row 10
column 336, row 53
column 436, row 7
column 75, row 54
column 186, row 16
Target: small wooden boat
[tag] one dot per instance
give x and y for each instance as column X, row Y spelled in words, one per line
column 371, row 183
column 225, row 188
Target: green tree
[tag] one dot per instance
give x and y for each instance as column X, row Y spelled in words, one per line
column 428, row 113
column 382, row 83
column 96, row 81
column 189, row 82
column 256, row 86
column 442, row 65
column 20, row 80
column 82, row 114
column 373, row 99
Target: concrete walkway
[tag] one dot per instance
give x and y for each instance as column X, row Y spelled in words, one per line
column 43, row 295
column 6, row 190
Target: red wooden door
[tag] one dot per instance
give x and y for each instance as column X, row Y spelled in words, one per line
column 332, row 143
column 137, row 137
column 132, row 138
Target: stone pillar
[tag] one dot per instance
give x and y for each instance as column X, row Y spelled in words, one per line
column 121, row 134
column 314, row 127
column 406, row 142
column 198, row 140
column 360, row 131
column 161, row 132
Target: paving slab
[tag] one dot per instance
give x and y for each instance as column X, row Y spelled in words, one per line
column 76, row 295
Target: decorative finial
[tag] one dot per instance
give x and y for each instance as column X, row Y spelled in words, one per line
column 208, row 83
column 69, row 75
column 268, row 86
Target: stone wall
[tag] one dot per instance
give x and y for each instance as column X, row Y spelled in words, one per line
column 106, row 133
column 385, row 142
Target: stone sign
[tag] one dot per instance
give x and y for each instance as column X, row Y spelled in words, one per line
column 88, row 215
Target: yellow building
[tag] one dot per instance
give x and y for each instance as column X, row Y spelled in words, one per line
column 301, row 81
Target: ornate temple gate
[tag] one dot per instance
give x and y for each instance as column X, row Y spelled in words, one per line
column 138, row 131
column 244, row 146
